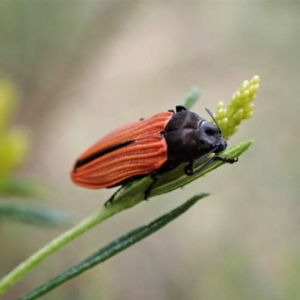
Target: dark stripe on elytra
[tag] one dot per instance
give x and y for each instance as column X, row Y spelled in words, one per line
column 88, row 159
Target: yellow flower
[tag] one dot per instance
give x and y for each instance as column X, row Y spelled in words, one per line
column 13, row 141
column 7, row 103
column 240, row 107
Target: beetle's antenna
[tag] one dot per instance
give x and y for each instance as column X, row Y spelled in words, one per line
column 214, row 119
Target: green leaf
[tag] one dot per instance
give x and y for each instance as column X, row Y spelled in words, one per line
column 191, row 98
column 134, row 192
column 32, row 214
column 23, row 187
column 112, row 249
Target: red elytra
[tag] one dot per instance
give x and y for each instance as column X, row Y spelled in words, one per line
column 134, row 149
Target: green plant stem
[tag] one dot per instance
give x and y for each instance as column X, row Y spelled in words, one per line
column 91, row 221
column 112, row 249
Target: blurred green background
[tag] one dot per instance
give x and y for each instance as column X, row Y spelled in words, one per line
column 84, row 67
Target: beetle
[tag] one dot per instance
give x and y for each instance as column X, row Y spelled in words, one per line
column 149, row 147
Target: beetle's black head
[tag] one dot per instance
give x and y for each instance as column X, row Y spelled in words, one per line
column 210, row 138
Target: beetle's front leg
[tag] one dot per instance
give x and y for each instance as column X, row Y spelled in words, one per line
column 189, row 168
column 227, row 160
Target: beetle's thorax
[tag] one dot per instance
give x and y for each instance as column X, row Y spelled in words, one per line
column 189, row 137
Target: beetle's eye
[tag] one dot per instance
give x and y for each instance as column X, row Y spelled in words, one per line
column 210, row 131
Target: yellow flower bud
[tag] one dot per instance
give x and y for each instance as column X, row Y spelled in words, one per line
column 7, row 103
column 13, row 142
column 239, row 108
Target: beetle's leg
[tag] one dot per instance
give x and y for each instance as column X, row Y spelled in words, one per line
column 227, row 160
column 189, row 170
column 180, row 108
column 111, row 199
column 151, row 185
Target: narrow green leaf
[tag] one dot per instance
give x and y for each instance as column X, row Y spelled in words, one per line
column 191, row 98
column 112, row 249
column 22, row 187
column 32, row 214
column 177, row 178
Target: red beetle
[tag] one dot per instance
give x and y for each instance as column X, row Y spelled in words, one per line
column 149, row 146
